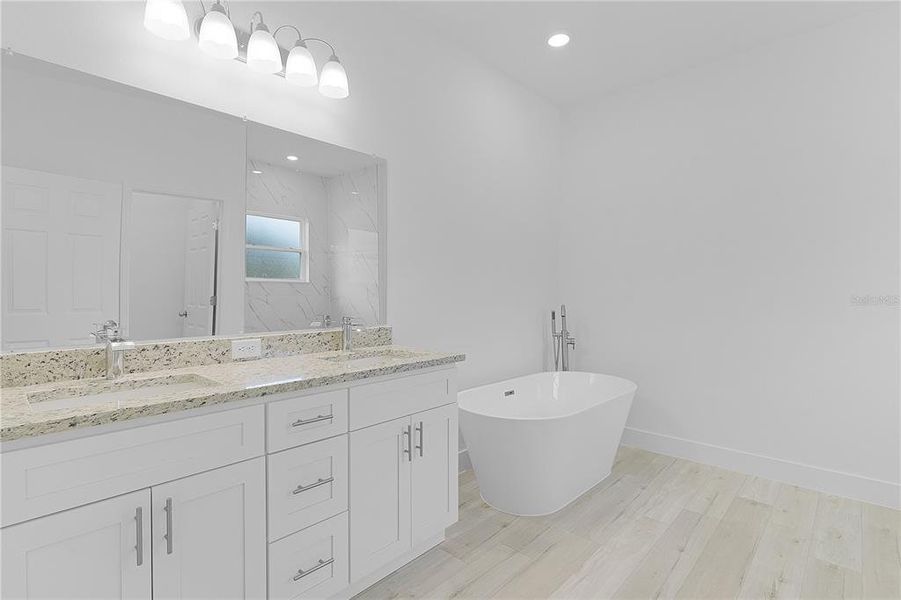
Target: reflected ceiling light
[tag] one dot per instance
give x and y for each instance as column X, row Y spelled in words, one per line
column 166, row 19
column 217, row 34
column 256, row 172
column 291, row 157
column 558, row 40
column 263, row 53
column 219, row 38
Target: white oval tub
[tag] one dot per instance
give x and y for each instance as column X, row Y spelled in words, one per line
column 539, row 442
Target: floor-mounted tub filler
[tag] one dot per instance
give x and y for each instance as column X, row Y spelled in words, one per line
column 539, row 442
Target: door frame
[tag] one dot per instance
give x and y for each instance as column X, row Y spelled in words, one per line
column 125, row 250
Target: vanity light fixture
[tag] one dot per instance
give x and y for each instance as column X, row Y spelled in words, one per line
column 291, row 157
column 263, row 53
column 167, row 19
column 258, row 48
column 558, row 40
column 217, row 34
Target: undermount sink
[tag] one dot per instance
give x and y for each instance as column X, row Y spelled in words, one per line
column 94, row 391
column 370, row 356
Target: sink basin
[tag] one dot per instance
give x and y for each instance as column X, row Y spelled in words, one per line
column 371, row 356
column 94, row 391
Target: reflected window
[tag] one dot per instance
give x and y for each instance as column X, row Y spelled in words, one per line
column 275, row 248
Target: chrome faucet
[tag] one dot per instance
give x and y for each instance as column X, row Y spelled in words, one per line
column 116, row 346
column 348, row 326
column 562, row 341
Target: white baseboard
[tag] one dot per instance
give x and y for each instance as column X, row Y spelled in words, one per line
column 848, row 485
column 463, row 460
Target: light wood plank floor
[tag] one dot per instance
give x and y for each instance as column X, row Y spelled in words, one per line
column 660, row 527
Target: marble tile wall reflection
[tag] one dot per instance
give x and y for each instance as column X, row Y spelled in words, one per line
column 353, row 233
column 279, row 306
column 344, row 247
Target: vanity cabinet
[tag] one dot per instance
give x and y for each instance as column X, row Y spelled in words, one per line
column 302, row 495
column 101, row 550
column 206, row 532
column 405, row 486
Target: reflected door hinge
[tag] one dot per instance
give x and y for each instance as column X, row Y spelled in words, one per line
column 213, row 300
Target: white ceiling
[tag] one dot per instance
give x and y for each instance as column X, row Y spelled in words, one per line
column 616, row 44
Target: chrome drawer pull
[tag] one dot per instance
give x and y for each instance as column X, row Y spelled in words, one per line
column 319, row 565
column 139, row 537
column 421, row 438
column 320, row 481
column 168, row 534
column 408, row 446
column 315, row 419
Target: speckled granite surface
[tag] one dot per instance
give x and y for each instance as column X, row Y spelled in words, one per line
column 228, row 382
column 30, row 368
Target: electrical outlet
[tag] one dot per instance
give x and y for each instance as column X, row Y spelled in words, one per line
column 246, row 349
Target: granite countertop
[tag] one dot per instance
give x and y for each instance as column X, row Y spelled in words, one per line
column 35, row 410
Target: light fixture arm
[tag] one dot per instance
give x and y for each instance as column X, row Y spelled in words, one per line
column 260, row 25
column 300, row 40
column 225, row 7
column 321, row 41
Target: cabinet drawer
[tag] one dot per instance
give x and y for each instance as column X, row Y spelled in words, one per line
column 306, row 419
column 306, row 485
column 45, row 479
column 311, row 563
column 380, row 402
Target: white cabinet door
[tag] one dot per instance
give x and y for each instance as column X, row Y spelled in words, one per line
column 97, row 551
column 379, row 495
column 434, row 486
column 209, row 534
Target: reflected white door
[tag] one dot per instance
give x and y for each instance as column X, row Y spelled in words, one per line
column 200, row 268
column 60, row 258
column 95, row 551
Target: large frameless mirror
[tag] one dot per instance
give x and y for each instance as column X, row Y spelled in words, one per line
column 174, row 220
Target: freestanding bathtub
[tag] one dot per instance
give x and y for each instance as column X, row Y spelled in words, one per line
column 539, row 442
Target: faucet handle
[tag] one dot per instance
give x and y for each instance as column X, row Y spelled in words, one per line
column 106, row 331
column 352, row 321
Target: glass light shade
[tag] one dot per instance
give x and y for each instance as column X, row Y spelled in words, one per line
column 300, row 67
column 166, row 19
column 333, row 81
column 263, row 54
column 217, row 34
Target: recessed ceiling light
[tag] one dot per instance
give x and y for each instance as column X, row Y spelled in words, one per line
column 558, row 40
column 256, row 172
column 291, row 157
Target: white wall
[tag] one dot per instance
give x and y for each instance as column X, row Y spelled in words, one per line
column 715, row 225
column 472, row 157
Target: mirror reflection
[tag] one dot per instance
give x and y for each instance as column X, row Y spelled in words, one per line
column 312, row 233
column 172, row 220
